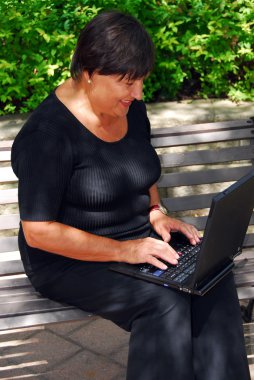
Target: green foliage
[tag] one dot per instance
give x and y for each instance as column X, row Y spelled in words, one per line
column 37, row 39
column 204, row 48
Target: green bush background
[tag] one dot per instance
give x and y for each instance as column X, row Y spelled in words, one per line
column 204, row 48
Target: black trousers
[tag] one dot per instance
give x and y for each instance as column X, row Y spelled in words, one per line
column 174, row 336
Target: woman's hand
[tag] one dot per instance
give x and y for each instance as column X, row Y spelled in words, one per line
column 148, row 250
column 164, row 225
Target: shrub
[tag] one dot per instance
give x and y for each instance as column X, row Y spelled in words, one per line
column 204, row 48
column 38, row 37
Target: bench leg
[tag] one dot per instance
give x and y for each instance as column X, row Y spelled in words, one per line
column 247, row 311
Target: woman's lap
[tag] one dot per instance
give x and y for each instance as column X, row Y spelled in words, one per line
column 198, row 337
column 114, row 296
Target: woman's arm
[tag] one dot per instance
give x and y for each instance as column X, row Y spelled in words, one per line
column 154, row 195
column 77, row 244
column 69, row 241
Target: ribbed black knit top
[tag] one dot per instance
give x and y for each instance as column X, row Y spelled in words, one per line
column 69, row 175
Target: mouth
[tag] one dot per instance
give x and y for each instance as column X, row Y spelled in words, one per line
column 126, row 103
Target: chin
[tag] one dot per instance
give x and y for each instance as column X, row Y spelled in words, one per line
column 123, row 109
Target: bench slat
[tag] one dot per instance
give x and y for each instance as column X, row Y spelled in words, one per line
column 201, row 177
column 8, row 196
column 244, row 279
column 7, row 175
column 204, row 127
column 246, row 254
column 202, row 138
column 191, row 202
column 200, row 222
column 6, row 144
column 245, row 293
column 188, row 202
column 10, row 221
column 14, row 298
column 198, row 157
column 41, row 319
column 249, row 240
column 8, row 244
column 10, row 294
column 38, row 305
column 12, row 282
column 5, row 155
column 247, row 268
column 11, row 267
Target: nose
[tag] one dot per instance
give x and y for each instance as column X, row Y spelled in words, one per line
column 137, row 89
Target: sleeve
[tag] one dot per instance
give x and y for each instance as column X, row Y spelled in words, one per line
column 43, row 164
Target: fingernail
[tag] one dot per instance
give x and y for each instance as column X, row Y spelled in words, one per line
column 177, row 256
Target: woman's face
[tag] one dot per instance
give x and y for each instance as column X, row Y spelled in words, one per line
column 111, row 95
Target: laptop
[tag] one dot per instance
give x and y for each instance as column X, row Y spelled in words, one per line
column 202, row 266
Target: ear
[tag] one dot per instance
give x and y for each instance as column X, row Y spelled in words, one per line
column 86, row 77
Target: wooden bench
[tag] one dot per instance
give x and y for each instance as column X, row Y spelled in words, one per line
column 197, row 160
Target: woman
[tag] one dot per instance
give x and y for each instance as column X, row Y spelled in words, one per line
column 88, row 197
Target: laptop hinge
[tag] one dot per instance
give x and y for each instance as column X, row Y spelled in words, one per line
column 202, row 287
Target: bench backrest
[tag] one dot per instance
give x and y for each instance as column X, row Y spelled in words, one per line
column 197, row 160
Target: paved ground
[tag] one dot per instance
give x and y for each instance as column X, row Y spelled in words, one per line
column 91, row 350
column 96, row 349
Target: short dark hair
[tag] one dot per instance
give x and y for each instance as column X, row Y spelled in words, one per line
column 113, row 43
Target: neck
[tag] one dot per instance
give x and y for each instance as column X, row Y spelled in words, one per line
column 81, row 92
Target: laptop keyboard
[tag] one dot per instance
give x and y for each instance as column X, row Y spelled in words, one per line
column 185, row 267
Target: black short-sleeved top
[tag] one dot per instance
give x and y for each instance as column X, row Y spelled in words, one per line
column 69, row 175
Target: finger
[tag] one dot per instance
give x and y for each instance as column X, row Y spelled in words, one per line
column 170, row 257
column 166, row 236
column 192, row 234
column 195, row 234
column 166, row 252
column 162, row 250
column 159, row 264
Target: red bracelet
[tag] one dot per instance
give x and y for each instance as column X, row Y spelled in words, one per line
column 158, row 207
column 154, row 207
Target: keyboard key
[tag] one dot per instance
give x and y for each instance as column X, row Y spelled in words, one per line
column 158, row 272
